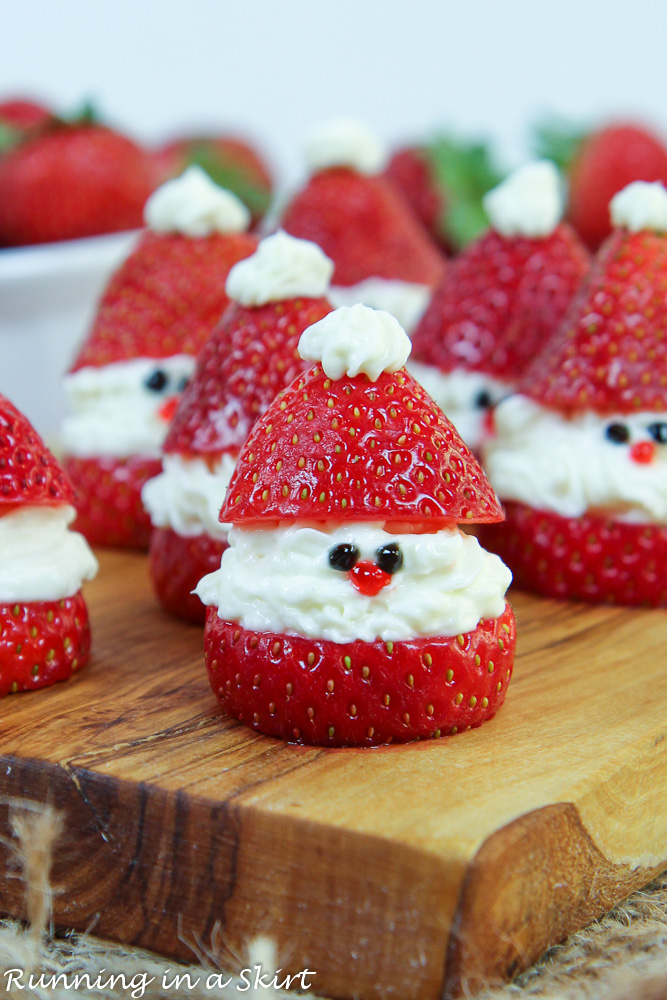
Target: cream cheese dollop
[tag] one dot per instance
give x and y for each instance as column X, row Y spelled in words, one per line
column 640, row 205
column 569, row 466
column 280, row 580
column 187, row 495
column 194, row 205
column 356, row 339
column 406, row 300
column 457, row 393
column 114, row 411
column 344, row 142
column 282, row 267
column 529, row 202
column 40, row 558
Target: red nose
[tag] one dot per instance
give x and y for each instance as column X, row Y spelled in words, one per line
column 168, row 409
column 368, row 578
column 642, row 452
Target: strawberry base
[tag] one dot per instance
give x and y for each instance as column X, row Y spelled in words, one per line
column 588, row 558
column 108, row 499
column 177, row 564
column 319, row 692
column 42, row 642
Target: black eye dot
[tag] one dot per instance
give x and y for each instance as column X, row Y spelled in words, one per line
column 183, row 384
column 618, row 433
column 343, row 557
column 658, row 432
column 156, row 381
column 483, row 400
column 389, row 557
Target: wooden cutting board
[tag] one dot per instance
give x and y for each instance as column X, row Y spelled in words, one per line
column 406, row 871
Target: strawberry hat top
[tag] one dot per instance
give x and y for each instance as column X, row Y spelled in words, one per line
column 503, row 297
column 169, row 293
column 252, row 354
column 29, row 474
column 355, row 215
column 610, row 355
column 356, row 438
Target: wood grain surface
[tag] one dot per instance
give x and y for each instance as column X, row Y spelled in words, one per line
column 411, row 872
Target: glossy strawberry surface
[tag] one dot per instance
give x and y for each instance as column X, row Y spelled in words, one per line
column 359, row 694
column 352, row 449
column 42, row 642
column 28, row 471
column 177, row 564
column 108, row 499
column 590, row 558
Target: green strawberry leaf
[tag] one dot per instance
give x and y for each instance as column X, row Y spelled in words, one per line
column 232, row 177
column 465, row 171
column 556, row 139
column 9, row 137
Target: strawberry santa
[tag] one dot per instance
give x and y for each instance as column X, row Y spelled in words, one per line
column 251, row 355
column 500, row 300
column 580, row 456
column 154, row 316
column 349, row 609
column 44, row 632
column 381, row 253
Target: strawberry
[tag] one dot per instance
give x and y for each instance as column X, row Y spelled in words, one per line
column 108, row 500
column 23, row 114
column 177, row 564
column 410, row 172
column 365, row 227
column 590, row 558
column 230, row 161
column 165, row 298
column 72, row 181
column 28, row 471
column 598, row 165
column 364, row 450
column 42, row 642
column 360, row 694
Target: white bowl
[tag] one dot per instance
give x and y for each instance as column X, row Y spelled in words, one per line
column 48, row 296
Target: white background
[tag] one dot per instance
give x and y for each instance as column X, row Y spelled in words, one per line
column 274, row 67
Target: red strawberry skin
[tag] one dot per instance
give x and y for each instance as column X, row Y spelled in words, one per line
column 500, row 302
column 607, row 161
column 72, row 182
column 610, row 354
column 411, row 173
column 589, row 558
column 177, row 564
column 165, row 299
column 373, row 451
column 365, row 227
column 108, row 499
column 29, row 474
column 251, row 355
column 319, row 692
column 24, row 114
column 42, row 642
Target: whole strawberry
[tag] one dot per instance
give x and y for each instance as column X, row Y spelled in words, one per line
column 70, row 181
column 233, row 163
column 598, row 165
column 44, row 633
column 349, row 609
column 578, row 456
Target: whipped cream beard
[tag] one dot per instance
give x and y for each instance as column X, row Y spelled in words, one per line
column 465, row 397
column 40, row 558
column 186, row 496
column 119, row 409
column 298, row 579
column 406, row 300
column 608, row 465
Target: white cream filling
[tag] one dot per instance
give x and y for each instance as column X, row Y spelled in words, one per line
column 355, row 339
column 456, row 393
column 114, row 413
column 194, row 205
column 279, row 580
column 344, row 142
column 282, row 267
column 640, row 205
column 569, row 466
column 40, row 558
column 405, row 300
column 527, row 203
column 188, row 494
